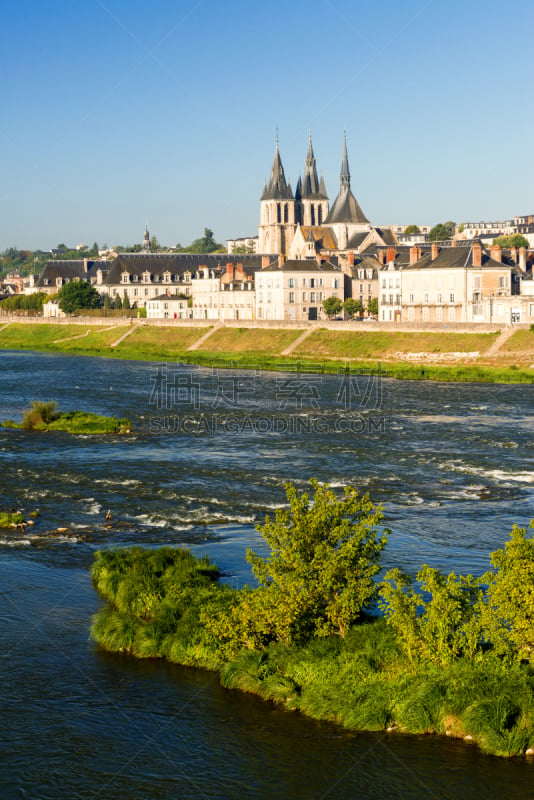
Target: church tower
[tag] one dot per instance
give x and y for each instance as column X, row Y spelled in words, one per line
column 346, row 216
column 277, row 212
column 310, row 196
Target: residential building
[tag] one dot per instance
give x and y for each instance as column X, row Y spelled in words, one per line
column 295, row 290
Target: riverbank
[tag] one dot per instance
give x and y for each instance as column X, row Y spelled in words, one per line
column 490, row 356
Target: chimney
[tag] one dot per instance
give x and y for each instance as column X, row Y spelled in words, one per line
column 229, row 271
column 350, row 258
column 265, row 261
column 476, row 252
column 513, row 254
column 239, row 271
column 281, row 259
column 435, row 250
column 85, row 265
column 415, row 254
column 496, row 252
column 523, row 259
column 390, row 254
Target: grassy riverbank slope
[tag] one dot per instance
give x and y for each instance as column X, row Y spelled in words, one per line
column 423, row 355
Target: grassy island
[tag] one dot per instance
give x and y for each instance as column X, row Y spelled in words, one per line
column 449, row 654
column 44, row 416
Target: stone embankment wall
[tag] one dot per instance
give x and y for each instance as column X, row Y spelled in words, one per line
column 334, row 325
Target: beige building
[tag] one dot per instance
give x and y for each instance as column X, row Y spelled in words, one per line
column 168, row 306
column 447, row 285
column 295, row 290
column 223, row 295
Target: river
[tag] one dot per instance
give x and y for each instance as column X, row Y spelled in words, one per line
column 452, row 465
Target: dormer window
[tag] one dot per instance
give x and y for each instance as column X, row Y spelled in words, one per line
column 125, row 277
column 187, row 277
column 146, row 277
column 166, row 277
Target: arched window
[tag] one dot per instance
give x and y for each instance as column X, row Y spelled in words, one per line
column 278, row 213
column 320, row 215
column 286, row 213
column 312, row 214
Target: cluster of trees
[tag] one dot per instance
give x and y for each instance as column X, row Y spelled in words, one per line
column 442, row 231
column 513, row 240
column 351, row 307
column 452, row 617
column 24, row 302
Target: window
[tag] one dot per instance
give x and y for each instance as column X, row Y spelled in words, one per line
column 411, row 314
column 384, row 283
column 452, row 314
column 312, row 297
column 335, row 283
column 313, row 283
column 425, row 313
column 291, row 282
column 439, row 314
column 451, row 297
column 502, row 282
column 425, row 297
column 478, row 280
column 439, row 298
column 291, row 297
column 411, row 297
column 304, row 296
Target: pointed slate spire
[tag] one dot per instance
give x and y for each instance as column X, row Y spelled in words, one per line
column 322, row 186
column 310, row 183
column 277, row 189
column 345, row 174
column 298, row 190
column 345, row 207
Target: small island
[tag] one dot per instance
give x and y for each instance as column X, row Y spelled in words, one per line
column 44, row 416
column 451, row 655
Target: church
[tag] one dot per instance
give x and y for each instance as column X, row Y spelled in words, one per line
column 302, row 224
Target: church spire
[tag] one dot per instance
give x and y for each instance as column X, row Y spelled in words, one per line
column 310, row 183
column 345, row 208
column 277, row 189
column 345, row 174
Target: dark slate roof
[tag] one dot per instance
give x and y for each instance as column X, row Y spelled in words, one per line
column 310, row 188
column 345, row 208
column 176, row 263
column 167, row 297
column 454, row 258
column 277, row 188
column 387, row 235
column 303, row 265
column 67, row 270
column 357, row 239
column 365, row 262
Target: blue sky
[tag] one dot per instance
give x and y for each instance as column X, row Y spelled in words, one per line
column 117, row 112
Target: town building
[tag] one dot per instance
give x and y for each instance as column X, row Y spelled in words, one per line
column 295, row 290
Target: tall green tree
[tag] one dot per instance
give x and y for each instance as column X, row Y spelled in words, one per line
column 324, row 555
column 351, row 307
column 206, row 244
column 442, row 231
column 332, row 306
column 372, row 306
column 126, row 300
column 76, row 295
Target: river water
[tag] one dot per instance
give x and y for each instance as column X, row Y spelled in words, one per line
column 452, row 465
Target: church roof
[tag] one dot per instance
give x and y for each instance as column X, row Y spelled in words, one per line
column 311, row 188
column 277, row 188
column 325, row 237
column 345, row 207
